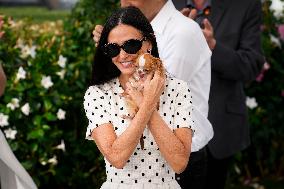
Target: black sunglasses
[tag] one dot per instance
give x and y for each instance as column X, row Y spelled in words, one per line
column 131, row 46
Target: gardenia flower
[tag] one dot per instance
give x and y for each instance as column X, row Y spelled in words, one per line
column 21, row 73
column 10, row 133
column 26, row 109
column 61, row 114
column 251, row 102
column 3, row 120
column 28, row 51
column 13, row 104
column 62, row 61
column 61, row 146
column 53, row 160
column 46, row 82
column 277, row 8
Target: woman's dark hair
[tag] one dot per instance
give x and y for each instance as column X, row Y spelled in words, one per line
column 103, row 68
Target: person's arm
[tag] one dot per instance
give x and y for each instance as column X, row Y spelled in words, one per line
column 2, row 80
column 118, row 149
column 245, row 62
column 174, row 146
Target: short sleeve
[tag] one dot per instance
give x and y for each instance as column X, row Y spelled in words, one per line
column 183, row 107
column 97, row 107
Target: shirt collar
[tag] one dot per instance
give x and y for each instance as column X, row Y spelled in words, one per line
column 160, row 21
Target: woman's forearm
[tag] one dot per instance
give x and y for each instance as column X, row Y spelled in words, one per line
column 124, row 145
column 171, row 147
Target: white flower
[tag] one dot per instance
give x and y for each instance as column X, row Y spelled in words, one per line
column 53, row 160
column 62, row 61
column 251, row 102
column 13, row 104
column 275, row 40
column 26, row 109
column 21, row 73
column 46, row 82
column 61, row 146
column 10, row 133
column 61, row 114
column 277, row 7
column 28, row 51
column 3, row 120
column 61, row 74
column 43, row 162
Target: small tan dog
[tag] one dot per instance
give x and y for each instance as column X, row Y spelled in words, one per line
column 145, row 64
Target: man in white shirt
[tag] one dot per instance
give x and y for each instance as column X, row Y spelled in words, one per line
column 185, row 54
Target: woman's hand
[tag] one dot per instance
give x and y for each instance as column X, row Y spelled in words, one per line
column 153, row 88
column 134, row 90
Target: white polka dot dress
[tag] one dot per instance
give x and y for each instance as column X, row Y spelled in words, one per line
column 146, row 168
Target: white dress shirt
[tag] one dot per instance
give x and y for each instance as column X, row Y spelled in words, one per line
column 186, row 55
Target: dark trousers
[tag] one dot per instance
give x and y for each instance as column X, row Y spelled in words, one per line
column 217, row 171
column 194, row 176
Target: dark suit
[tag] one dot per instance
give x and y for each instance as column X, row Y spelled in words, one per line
column 235, row 60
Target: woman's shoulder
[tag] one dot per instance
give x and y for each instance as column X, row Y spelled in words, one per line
column 100, row 89
column 173, row 81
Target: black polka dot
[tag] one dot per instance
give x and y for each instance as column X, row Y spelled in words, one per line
column 135, row 167
column 164, row 102
column 163, row 179
column 149, row 153
column 128, row 161
column 122, row 121
column 165, row 114
column 142, row 160
column 157, row 160
column 115, row 128
column 135, row 153
column 101, row 97
column 128, row 174
column 149, row 180
column 96, row 108
column 101, row 116
column 179, row 104
column 184, row 119
column 157, row 174
column 89, row 93
column 150, row 167
column 93, row 113
column 115, row 174
column 121, row 108
column 152, row 143
column 121, row 181
column 135, row 181
column 143, row 174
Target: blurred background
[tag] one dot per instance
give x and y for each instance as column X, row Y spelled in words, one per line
column 46, row 50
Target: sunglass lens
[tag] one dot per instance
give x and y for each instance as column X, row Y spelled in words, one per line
column 132, row 46
column 112, row 50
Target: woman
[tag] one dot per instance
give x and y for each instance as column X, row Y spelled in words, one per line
column 163, row 118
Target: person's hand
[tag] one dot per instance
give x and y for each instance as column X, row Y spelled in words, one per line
column 1, row 24
column 208, row 33
column 97, row 33
column 134, row 90
column 153, row 88
column 190, row 13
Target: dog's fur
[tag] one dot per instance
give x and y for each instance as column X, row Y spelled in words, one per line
column 145, row 64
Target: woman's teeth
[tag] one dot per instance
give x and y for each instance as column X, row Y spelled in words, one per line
column 126, row 64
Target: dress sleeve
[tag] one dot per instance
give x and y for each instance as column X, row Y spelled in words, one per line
column 97, row 107
column 183, row 107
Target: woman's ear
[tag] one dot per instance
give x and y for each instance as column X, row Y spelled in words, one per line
column 147, row 45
